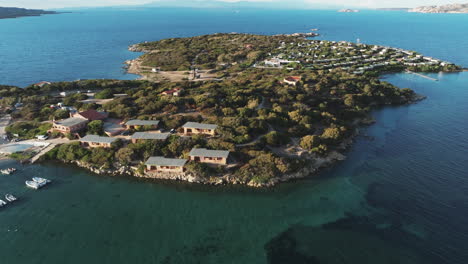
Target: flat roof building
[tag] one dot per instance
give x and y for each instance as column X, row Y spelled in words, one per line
column 139, row 136
column 94, row 141
column 134, row 124
column 204, row 155
column 162, row 164
column 69, row 125
column 199, row 128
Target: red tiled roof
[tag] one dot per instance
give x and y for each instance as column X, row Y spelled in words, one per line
column 293, row 78
column 92, row 115
column 172, row 91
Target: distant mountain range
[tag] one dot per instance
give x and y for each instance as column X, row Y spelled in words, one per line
column 452, row 8
column 12, row 12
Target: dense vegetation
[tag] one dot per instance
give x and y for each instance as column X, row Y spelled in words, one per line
column 206, row 52
column 271, row 128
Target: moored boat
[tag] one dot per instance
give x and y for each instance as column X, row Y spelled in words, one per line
column 34, row 185
column 10, row 197
column 2, row 203
column 40, row 180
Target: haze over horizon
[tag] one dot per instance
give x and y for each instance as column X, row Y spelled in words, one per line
column 305, row 4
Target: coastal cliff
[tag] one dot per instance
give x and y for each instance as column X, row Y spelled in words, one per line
column 451, row 8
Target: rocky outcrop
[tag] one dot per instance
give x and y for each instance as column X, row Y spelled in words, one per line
column 452, row 8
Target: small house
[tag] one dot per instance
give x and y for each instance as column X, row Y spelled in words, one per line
column 136, row 124
column 91, row 115
column 69, row 125
column 209, row 156
column 94, row 141
column 141, row 136
column 42, row 84
column 161, row 164
column 174, row 92
column 112, row 129
column 193, row 128
column 292, row 80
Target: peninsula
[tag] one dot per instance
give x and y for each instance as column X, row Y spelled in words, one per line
column 13, row 12
column 217, row 109
column 451, row 8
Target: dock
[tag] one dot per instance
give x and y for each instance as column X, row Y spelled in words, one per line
column 423, row 76
column 42, row 153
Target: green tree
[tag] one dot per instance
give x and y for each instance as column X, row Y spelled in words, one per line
column 309, row 142
column 96, row 127
column 125, row 155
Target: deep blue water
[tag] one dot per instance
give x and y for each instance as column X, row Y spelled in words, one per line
column 400, row 197
column 93, row 43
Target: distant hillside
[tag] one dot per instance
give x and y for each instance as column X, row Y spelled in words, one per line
column 290, row 4
column 394, row 9
column 12, row 12
column 452, row 8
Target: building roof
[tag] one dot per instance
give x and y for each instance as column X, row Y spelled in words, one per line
column 73, row 121
column 136, row 122
column 173, row 91
column 92, row 115
column 293, row 78
column 113, row 128
column 161, row 161
column 199, row 126
column 152, row 136
column 202, row 152
column 98, row 139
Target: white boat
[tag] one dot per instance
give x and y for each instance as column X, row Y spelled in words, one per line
column 7, row 171
column 2, row 203
column 41, row 180
column 34, row 185
column 10, row 198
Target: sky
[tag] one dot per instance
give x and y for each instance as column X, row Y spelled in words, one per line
column 48, row 4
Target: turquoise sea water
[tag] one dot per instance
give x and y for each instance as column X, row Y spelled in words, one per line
column 400, row 197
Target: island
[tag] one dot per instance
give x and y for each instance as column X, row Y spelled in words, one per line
column 14, row 12
column 348, row 11
column 216, row 109
column 450, row 8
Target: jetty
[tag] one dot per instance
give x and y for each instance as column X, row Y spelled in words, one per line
column 422, row 76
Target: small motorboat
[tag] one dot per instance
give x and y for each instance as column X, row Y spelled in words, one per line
column 2, row 203
column 41, row 180
column 34, row 185
column 7, row 171
column 10, row 197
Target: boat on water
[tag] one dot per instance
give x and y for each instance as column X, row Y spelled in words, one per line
column 40, row 180
column 37, row 183
column 10, row 197
column 2, row 203
column 34, row 185
column 8, row 171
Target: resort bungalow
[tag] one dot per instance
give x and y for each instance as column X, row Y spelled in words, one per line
column 292, row 80
column 161, row 164
column 191, row 128
column 42, row 84
column 69, row 125
column 141, row 136
column 135, row 124
column 209, row 156
column 94, row 141
column 174, row 92
column 113, row 129
column 91, row 115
